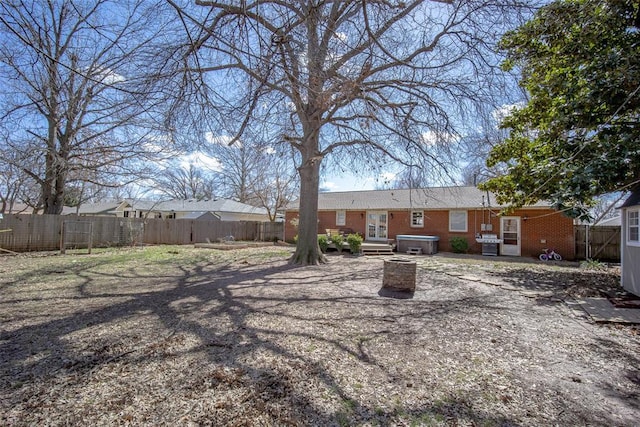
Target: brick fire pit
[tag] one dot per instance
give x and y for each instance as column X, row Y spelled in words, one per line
column 399, row 275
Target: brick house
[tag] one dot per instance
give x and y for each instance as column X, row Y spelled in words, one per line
column 445, row 212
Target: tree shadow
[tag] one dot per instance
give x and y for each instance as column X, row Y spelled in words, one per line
column 560, row 283
column 219, row 308
column 390, row 293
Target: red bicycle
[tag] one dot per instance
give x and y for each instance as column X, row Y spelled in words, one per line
column 550, row 255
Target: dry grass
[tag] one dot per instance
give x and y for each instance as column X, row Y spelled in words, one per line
column 184, row 336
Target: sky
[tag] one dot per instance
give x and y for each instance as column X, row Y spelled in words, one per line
column 350, row 182
column 347, row 182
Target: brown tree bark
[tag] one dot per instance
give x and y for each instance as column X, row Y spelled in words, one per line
column 307, row 249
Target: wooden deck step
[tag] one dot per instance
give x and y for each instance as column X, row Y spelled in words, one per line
column 377, row 252
column 376, row 249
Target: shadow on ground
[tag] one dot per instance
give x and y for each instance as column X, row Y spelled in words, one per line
column 250, row 344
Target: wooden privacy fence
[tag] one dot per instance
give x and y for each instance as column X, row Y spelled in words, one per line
column 45, row 232
column 601, row 243
column 187, row 231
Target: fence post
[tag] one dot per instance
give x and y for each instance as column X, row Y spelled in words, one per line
column 587, row 247
column 62, row 245
column 90, row 236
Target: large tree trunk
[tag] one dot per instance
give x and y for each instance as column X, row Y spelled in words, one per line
column 53, row 197
column 307, row 250
column 53, row 185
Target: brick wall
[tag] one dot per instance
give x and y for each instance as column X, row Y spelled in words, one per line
column 354, row 220
column 547, row 229
column 540, row 228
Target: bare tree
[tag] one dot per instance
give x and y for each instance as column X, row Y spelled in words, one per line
column 186, row 182
column 278, row 185
column 605, row 206
column 256, row 174
column 358, row 80
column 476, row 149
column 14, row 183
column 241, row 170
column 73, row 77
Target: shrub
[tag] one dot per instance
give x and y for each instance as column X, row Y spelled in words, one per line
column 323, row 242
column 592, row 264
column 337, row 241
column 459, row 245
column 354, row 241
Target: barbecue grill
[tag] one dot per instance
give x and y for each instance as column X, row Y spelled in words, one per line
column 490, row 244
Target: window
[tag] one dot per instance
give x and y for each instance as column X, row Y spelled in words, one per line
column 633, row 227
column 458, row 221
column 417, row 218
column 341, row 217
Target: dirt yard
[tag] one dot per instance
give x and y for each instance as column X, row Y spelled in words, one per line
column 188, row 337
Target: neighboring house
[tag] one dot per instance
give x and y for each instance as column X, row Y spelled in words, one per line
column 218, row 209
column 205, row 216
column 630, row 214
column 615, row 221
column 98, row 209
column 446, row 212
column 19, row 208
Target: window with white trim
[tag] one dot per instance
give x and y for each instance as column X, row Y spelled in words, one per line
column 341, row 217
column 458, row 221
column 417, row 219
column 633, row 227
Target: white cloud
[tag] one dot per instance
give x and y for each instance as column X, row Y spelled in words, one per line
column 500, row 113
column 349, row 182
column 161, row 149
column 199, row 159
column 329, row 185
column 388, row 176
column 108, row 76
column 341, row 36
column 219, row 139
column 431, row 138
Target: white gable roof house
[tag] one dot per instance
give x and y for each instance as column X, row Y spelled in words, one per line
column 98, row 209
column 221, row 209
column 615, row 221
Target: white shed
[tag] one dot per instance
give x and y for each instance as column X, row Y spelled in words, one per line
column 631, row 243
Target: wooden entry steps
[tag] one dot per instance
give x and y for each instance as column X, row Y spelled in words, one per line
column 376, row 249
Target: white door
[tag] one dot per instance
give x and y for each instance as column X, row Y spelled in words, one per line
column 377, row 225
column 510, row 235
